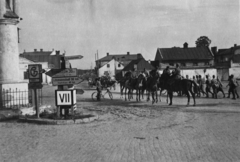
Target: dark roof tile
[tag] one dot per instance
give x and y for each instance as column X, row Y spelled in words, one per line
column 191, row 53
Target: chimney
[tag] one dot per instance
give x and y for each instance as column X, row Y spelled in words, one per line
column 139, row 56
column 35, row 50
column 128, row 53
column 185, row 45
column 57, row 52
column 107, row 54
column 41, row 50
column 235, row 45
column 214, row 50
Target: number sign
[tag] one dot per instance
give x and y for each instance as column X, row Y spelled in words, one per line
column 65, row 97
column 34, row 73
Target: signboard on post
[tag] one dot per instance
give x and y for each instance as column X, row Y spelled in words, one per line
column 35, row 73
column 66, row 73
column 65, row 97
column 66, row 81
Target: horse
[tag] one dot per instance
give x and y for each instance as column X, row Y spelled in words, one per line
column 175, row 85
column 130, row 85
column 140, row 86
column 152, row 85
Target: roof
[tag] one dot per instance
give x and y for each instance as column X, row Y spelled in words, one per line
column 121, row 57
column 37, row 56
column 141, row 65
column 23, row 60
column 190, row 53
column 228, row 51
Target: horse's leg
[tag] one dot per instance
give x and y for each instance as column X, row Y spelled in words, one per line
column 156, row 96
column 188, row 96
column 153, row 99
column 223, row 93
column 125, row 94
column 137, row 92
column 170, row 94
column 193, row 96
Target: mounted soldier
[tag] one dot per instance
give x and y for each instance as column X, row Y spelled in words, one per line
column 177, row 73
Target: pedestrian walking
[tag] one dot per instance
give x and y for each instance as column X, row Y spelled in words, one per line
column 208, row 86
column 215, row 85
column 233, row 87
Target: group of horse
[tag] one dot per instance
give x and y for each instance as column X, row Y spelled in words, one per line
column 154, row 83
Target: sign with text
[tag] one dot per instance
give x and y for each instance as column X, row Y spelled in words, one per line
column 65, row 97
column 66, row 81
column 74, row 57
column 65, row 73
column 35, row 73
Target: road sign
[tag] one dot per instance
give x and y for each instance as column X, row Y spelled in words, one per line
column 66, row 81
column 65, row 97
column 33, row 85
column 35, row 73
column 58, row 73
column 74, row 57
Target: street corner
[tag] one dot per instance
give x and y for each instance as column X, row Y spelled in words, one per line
column 9, row 114
column 81, row 119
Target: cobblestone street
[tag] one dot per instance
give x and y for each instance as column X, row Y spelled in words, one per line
column 130, row 131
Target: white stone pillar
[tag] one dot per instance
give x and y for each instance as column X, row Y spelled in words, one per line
column 9, row 54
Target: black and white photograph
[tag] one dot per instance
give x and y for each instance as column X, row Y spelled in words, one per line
column 119, row 81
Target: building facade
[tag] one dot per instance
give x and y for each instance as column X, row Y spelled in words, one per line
column 192, row 60
column 227, row 62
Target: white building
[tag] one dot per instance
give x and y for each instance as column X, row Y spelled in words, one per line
column 110, row 68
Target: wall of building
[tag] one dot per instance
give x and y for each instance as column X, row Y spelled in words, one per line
column 110, row 69
column 235, row 71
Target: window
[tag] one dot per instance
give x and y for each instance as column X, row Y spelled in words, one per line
column 206, row 63
column 195, row 64
column 119, row 65
column 108, row 65
column 171, row 64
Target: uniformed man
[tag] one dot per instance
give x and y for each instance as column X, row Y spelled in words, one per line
column 208, row 86
column 233, row 87
column 99, row 88
column 215, row 85
column 177, row 72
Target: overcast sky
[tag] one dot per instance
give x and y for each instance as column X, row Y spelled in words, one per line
column 81, row 27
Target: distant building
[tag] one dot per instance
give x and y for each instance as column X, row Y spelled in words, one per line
column 227, row 62
column 139, row 65
column 192, row 60
column 110, row 69
column 48, row 59
column 52, row 58
column 124, row 59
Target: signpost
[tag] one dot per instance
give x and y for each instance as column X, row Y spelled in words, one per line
column 35, row 81
column 74, row 57
column 66, row 81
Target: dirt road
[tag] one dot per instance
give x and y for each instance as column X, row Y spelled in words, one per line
column 130, row 131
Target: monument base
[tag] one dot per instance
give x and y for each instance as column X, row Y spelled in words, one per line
column 13, row 94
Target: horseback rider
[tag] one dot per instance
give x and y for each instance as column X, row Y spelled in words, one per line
column 145, row 73
column 177, row 72
column 166, row 72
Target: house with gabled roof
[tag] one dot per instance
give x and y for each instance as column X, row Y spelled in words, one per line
column 124, row 59
column 192, row 60
column 110, row 69
column 227, row 62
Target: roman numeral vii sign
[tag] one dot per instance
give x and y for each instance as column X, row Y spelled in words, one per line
column 65, row 97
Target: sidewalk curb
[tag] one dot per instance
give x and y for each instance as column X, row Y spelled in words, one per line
column 58, row 122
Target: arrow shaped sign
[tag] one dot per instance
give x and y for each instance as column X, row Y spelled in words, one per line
column 66, row 81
